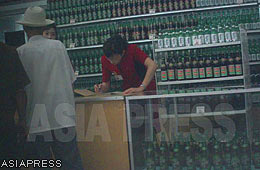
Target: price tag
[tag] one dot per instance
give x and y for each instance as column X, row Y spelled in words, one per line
column 151, row 11
column 240, row 1
column 72, row 21
column 72, row 45
column 200, row 109
column 76, row 73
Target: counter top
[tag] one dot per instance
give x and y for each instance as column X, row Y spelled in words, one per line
column 97, row 98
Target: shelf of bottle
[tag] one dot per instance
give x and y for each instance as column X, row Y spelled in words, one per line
column 198, row 46
column 224, row 113
column 200, row 80
column 156, row 14
column 253, row 31
column 89, row 75
column 254, row 63
column 101, row 45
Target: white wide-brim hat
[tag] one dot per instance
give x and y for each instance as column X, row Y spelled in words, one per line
column 35, row 17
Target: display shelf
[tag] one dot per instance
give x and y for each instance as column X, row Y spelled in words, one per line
column 101, row 45
column 199, row 80
column 156, row 14
column 198, row 46
column 209, row 93
column 254, row 63
column 89, row 75
column 253, row 31
column 226, row 113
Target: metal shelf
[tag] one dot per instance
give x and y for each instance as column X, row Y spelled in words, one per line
column 156, row 14
column 199, row 46
column 253, row 31
column 211, row 93
column 254, row 63
column 200, row 80
column 234, row 112
column 101, row 45
column 90, row 75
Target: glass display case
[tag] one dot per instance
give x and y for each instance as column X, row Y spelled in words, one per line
column 203, row 130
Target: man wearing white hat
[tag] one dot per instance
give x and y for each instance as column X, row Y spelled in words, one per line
column 51, row 105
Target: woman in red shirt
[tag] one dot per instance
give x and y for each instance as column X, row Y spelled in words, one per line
column 121, row 59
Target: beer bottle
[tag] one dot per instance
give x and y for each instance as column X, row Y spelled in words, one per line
column 235, row 161
column 171, row 70
column 231, row 65
column 245, row 155
column 149, row 157
column 163, row 71
column 189, row 162
column 204, row 161
column 238, row 62
column 256, row 149
column 188, row 72
column 209, row 70
column 202, row 71
column 163, row 153
column 175, row 158
column 195, row 66
column 224, row 67
column 217, row 160
column 227, row 148
column 180, row 70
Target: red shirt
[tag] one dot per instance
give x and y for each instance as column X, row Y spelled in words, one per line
column 126, row 68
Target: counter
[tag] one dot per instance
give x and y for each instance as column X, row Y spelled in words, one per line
column 102, row 133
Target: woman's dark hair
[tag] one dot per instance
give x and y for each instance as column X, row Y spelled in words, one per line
column 114, row 45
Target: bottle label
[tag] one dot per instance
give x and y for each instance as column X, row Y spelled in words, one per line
column 223, row 71
column 174, row 42
column 238, row 69
column 201, row 39
column 214, row 38
column 167, row 43
column 234, row 36
column 202, row 72
column 207, row 38
column 171, row 74
column 195, row 40
column 180, row 74
column 195, row 73
column 221, row 37
column 164, row 75
column 188, row 74
column 216, row 72
column 160, row 43
column 188, row 41
column 181, row 41
column 231, row 70
column 209, row 72
column 228, row 37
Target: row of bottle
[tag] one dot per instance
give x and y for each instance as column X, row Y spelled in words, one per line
column 254, row 51
column 89, row 61
column 193, row 36
column 86, row 62
column 197, row 88
column 95, row 11
column 205, row 154
column 200, row 64
column 82, row 83
column 141, row 29
column 92, row 11
column 207, row 103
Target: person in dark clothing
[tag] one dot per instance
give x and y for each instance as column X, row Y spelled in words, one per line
column 13, row 80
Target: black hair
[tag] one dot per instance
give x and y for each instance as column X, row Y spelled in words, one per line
column 114, row 45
